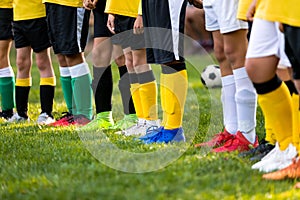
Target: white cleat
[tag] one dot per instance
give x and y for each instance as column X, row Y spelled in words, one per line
column 44, row 119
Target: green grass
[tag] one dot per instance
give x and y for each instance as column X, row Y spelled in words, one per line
column 54, row 163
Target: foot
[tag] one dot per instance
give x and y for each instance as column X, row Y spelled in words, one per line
column 103, row 120
column 276, row 159
column 218, row 140
column 141, row 127
column 127, row 121
column 238, row 142
column 80, row 120
column 6, row 114
column 292, row 171
column 65, row 120
column 166, row 136
column 16, row 118
column 256, row 154
column 45, row 119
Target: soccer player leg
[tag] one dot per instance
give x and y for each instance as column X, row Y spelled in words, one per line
column 245, row 95
column 102, row 83
column 147, row 85
column 47, row 86
column 81, row 85
column 175, row 90
column 23, row 83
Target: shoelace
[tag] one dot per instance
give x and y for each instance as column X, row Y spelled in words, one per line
column 65, row 114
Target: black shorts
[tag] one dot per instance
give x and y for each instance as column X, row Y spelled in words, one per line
column 292, row 48
column 68, row 28
column 100, row 20
column 124, row 33
column 6, row 18
column 33, row 33
column 158, row 37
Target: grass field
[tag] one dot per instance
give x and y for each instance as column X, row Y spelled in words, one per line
column 62, row 163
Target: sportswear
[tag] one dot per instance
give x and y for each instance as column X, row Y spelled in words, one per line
column 6, row 4
column 71, row 3
column 128, row 8
column 30, row 9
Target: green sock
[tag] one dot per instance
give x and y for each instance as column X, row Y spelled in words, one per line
column 68, row 92
column 7, row 91
column 82, row 91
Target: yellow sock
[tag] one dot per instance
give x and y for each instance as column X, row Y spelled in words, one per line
column 24, row 82
column 277, row 106
column 163, row 103
column 134, row 89
column 270, row 135
column 296, row 128
column 48, row 81
column 148, row 99
column 173, row 101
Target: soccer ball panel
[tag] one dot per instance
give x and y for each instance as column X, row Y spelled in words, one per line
column 211, row 76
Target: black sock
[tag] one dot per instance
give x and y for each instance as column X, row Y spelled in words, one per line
column 46, row 98
column 22, row 94
column 290, row 84
column 102, row 85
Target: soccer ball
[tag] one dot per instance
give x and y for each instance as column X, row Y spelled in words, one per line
column 211, row 76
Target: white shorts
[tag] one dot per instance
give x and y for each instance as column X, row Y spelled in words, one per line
column 222, row 15
column 267, row 40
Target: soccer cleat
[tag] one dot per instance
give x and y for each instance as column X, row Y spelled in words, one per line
column 44, row 119
column 292, row 171
column 16, row 118
column 103, row 120
column 141, row 127
column 80, row 120
column 151, row 132
column 6, row 114
column 66, row 120
column 218, row 140
column 277, row 159
column 127, row 121
column 166, row 136
column 256, row 154
column 238, row 142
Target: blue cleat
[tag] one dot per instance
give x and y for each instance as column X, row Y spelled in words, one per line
column 166, row 136
column 151, row 132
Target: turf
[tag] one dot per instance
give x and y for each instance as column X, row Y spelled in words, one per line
column 38, row 162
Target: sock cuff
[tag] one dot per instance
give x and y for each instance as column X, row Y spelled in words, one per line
column 146, row 77
column 269, row 86
column 24, row 82
column 133, row 78
column 64, row 71
column 240, row 73
column 48, row 81
column 79, row 70
column 7, row 72
column 227, row 80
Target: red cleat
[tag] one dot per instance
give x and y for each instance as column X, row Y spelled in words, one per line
column 218, row 140
column 80, row 120
column 238, row 142
column 66, row 120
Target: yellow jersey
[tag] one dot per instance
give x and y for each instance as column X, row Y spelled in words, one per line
column 6, row 4
column 287, row 12
column 71, row 3
column 130, row 8
column 28, row 9
column 243, row 9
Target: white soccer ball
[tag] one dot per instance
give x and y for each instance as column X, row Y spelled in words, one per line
column 211, row 76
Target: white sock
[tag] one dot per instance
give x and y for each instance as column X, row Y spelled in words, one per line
column 229, row 105
column 64, row 71
column 6, row 72
column 246, row 100
column 79, row 70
